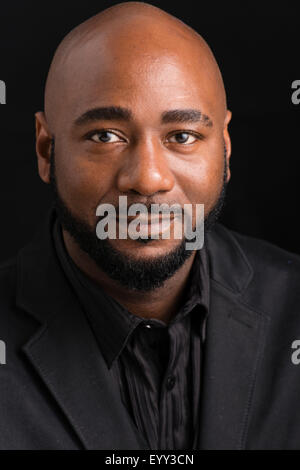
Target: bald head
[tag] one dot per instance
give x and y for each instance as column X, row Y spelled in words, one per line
column 127, row 32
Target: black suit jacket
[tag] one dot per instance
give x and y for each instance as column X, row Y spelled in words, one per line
column 57, row 393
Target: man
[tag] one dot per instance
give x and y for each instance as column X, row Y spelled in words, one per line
column 140, row 343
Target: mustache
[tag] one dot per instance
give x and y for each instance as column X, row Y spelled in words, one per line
column 173, row 207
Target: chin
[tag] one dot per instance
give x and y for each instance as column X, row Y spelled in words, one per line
column 145, row 248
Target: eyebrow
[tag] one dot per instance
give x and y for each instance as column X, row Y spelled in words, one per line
column 108, row 113
column 186, row 115
column 118, row 113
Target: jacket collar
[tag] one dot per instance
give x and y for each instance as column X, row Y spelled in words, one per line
column 76, row 374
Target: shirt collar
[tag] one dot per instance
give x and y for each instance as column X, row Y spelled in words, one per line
column 112, row 323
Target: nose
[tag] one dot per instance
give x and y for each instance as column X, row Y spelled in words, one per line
column 146, row 170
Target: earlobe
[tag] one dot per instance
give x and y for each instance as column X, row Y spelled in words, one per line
column 228, row 172
column 43, row 146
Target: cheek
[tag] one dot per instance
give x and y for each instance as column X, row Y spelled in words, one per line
column 83, row 184
column 202, row 180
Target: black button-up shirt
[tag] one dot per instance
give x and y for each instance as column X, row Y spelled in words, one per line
column 157, row 365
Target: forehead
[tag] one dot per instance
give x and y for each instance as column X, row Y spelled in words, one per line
column 140, row 73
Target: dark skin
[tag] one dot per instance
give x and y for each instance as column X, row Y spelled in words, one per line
column 149, row 63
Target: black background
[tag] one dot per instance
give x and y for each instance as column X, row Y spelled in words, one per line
column 257, row 48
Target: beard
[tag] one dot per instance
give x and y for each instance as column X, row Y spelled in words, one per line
column 142, row 275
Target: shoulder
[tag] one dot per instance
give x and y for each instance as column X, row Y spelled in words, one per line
column 265, row 275
column 259, row 252
column 12, row 320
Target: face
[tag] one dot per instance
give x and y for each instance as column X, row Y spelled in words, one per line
column 143, row 125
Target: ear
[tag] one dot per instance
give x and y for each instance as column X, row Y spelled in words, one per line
column 227, row 142
column 43, row 146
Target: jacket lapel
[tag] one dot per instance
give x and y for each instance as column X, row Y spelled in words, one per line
column 66, row 356
column 234, row 344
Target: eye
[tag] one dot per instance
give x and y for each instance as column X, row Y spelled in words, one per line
column 183, row 138
column 105, row 137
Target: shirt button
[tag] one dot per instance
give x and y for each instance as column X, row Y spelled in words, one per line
column 147, row 325
column 170, row 382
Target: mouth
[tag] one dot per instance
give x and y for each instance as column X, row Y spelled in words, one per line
column 152, row 225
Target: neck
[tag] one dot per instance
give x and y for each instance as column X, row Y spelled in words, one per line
column 161, row 303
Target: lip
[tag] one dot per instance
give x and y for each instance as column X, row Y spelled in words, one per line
column 148, row 219
column 158, row 226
